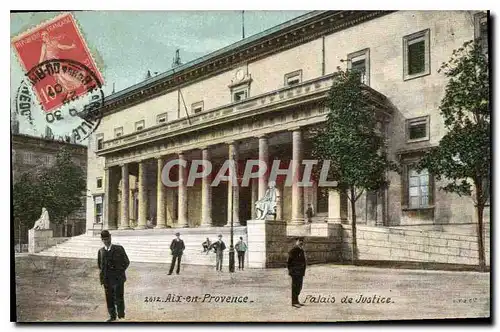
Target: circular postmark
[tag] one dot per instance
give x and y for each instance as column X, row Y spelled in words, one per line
column 63, row 95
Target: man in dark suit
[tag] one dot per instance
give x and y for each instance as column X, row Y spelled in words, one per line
column 297, row 269
column 113, row 261
column 177, row 248
column 219, row 247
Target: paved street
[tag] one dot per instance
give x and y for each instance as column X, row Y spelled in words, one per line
column 60, row 289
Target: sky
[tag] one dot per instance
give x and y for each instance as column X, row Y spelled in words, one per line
column 126, row 44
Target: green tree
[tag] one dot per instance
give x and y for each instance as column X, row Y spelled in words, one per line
column 353, row 143
column 26, row 202
column 463, row 157
column 63, row 186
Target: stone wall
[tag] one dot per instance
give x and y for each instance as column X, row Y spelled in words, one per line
column 452, row 244
column 39, row 240
column 270, row 241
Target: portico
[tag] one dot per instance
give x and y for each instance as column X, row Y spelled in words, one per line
column 274, row 126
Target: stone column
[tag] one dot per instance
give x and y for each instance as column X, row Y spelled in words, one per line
column 297, row 192
column 263, row 157
column 124, row 223
column 182, row 207
column 109, row 221
column 255, row 194
column 233, row 190
column 143, row 199
column 206, row 193
column 160, row 197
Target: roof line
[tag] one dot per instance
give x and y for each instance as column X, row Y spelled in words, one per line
column 213, row 54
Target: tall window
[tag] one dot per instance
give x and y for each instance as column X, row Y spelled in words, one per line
column 481, row 30
column 416, row 55
column 360, row 62
column 98, row 210
column 99, row 183
column 100, row 141
column 418, row 188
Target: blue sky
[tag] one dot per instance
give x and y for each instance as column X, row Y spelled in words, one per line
column 126, row 44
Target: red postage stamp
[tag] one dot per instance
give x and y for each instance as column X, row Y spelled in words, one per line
column 57, row 39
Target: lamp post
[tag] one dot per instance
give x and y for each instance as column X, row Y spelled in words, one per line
column 231, row 247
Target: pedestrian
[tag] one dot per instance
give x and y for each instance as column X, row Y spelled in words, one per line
column 309, row 213
column 113, row 261
column 219, row 246
column 206, row 245
column 241, row 248
column 297, row 269
column 177, row 248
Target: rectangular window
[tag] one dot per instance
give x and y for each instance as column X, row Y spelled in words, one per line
column 360, row 63
column 161, row 118
column 100, row 141
column 139, row 125
column 99, row 183
column 416, row 55
column 98, row 212
column 418, row 188
column 240, row 93
column 28, row 158
column 197, row 107
column 481, row 30
column 293, row 78
column 118, row 132
column 417, row 129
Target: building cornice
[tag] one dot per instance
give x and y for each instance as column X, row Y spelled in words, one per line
column 319, row 24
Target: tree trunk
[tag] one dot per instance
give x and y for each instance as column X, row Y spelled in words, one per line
column 480, row 231
column 354, row 253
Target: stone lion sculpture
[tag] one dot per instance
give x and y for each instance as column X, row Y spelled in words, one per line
column 43, row 222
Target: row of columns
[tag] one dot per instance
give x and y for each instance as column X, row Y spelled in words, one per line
column 206, row 191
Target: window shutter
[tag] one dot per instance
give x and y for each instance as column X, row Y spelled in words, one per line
column 431, row 189
column 404, row 186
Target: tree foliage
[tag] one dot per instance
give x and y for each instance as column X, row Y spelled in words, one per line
column 463, row 157
column 351, row 138
column 59, row 188
column 353, row 142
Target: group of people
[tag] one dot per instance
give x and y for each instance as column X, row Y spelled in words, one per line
column 113, row 261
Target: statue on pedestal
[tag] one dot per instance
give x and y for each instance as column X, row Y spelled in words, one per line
column 43, row 222
column 267, row 204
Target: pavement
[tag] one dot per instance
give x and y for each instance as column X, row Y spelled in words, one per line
column 68, row 290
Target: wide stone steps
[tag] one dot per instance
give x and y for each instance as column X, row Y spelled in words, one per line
column 148, row 248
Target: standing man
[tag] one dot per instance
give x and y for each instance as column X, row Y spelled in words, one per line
column 241, row 248
column 177, row 248
column 219, row 247
column 113, row 261
column 309, row 213
column 297, row 269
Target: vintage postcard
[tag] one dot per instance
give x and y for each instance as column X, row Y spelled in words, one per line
column 250, row 166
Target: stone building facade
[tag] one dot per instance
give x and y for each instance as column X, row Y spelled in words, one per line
column 258, row 99
column 30, row 153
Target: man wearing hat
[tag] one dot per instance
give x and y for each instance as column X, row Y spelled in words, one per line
column 297, row 269
column 219, row 247
column 113, row 261
column 177, row 248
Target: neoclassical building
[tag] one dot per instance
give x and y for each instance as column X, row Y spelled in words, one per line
column 258, row 99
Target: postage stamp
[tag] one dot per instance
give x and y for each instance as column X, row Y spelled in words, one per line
column 57, row 39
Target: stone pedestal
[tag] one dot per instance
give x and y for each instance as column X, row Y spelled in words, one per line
column 39, row 240
column 265, row 243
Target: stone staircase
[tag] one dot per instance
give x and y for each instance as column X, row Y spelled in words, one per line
column 150, row 245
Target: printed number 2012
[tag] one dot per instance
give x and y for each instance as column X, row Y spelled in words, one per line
column 152, row 299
